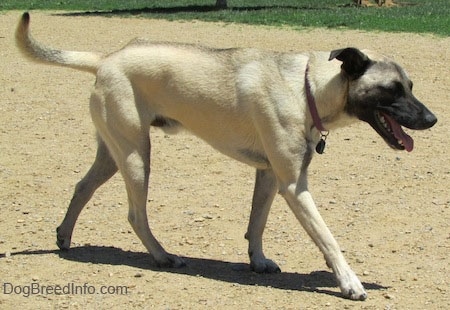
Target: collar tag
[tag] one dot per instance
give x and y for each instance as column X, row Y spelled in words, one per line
column 320, row 147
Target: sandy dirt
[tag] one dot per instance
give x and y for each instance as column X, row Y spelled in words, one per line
column 388, row 210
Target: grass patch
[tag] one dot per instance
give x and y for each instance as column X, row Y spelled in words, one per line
column 419, row 16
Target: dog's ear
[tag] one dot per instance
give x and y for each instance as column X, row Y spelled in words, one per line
column 354, row 62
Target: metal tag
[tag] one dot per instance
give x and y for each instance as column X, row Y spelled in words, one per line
column 320, row 147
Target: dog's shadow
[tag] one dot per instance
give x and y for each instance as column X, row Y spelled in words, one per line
column 240, row 273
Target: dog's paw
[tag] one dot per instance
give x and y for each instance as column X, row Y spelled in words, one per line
column 62, row 242
column 351, row 294
column 170, row 261
column 352, row 288
column 264, row 266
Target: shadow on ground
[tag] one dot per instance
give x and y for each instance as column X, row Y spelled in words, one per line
column 240, row 273
column 188, row 9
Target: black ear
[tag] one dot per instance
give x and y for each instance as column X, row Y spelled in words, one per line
column 354, row 62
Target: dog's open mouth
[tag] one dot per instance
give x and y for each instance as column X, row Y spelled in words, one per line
column 392, row 132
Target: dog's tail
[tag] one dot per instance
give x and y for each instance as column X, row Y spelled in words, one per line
column 84, row 61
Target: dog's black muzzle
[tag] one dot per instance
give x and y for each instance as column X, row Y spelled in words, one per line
column 388, row 117
column 410, row 113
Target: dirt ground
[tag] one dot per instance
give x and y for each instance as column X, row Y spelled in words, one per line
column 388, row 210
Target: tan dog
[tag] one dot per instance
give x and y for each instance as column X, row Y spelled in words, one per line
column 248, row 104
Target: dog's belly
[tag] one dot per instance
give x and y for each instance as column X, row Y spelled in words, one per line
column 229, row 140
column 247, row 156
column 230, row 137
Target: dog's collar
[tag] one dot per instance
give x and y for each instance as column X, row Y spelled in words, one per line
column 314, row 114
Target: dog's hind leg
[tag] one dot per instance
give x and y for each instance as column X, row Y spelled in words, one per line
column 124, row 125
column 101, row 171
column 263, row 195
column 135, row 169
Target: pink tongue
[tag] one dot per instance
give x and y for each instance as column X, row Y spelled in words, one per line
column 408, row 142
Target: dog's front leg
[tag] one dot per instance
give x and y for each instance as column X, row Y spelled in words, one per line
column 266, row 187
column 304, row 208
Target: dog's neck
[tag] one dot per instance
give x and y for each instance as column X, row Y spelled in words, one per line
column 328, row 87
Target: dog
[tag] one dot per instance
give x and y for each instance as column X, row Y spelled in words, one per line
column 266, row 109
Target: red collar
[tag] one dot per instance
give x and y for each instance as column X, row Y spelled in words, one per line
column 312, row 103
column 314, row 114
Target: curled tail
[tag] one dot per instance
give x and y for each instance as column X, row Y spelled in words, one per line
column 84, row 61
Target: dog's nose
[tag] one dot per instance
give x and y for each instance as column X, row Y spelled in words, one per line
column 430, row 119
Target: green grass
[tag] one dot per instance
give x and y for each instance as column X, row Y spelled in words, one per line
column 420, row 16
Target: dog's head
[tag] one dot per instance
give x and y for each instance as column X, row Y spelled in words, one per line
column 380, row 93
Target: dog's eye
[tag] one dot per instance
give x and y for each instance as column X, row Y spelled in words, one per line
column 394, row 89
column 398, row 87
